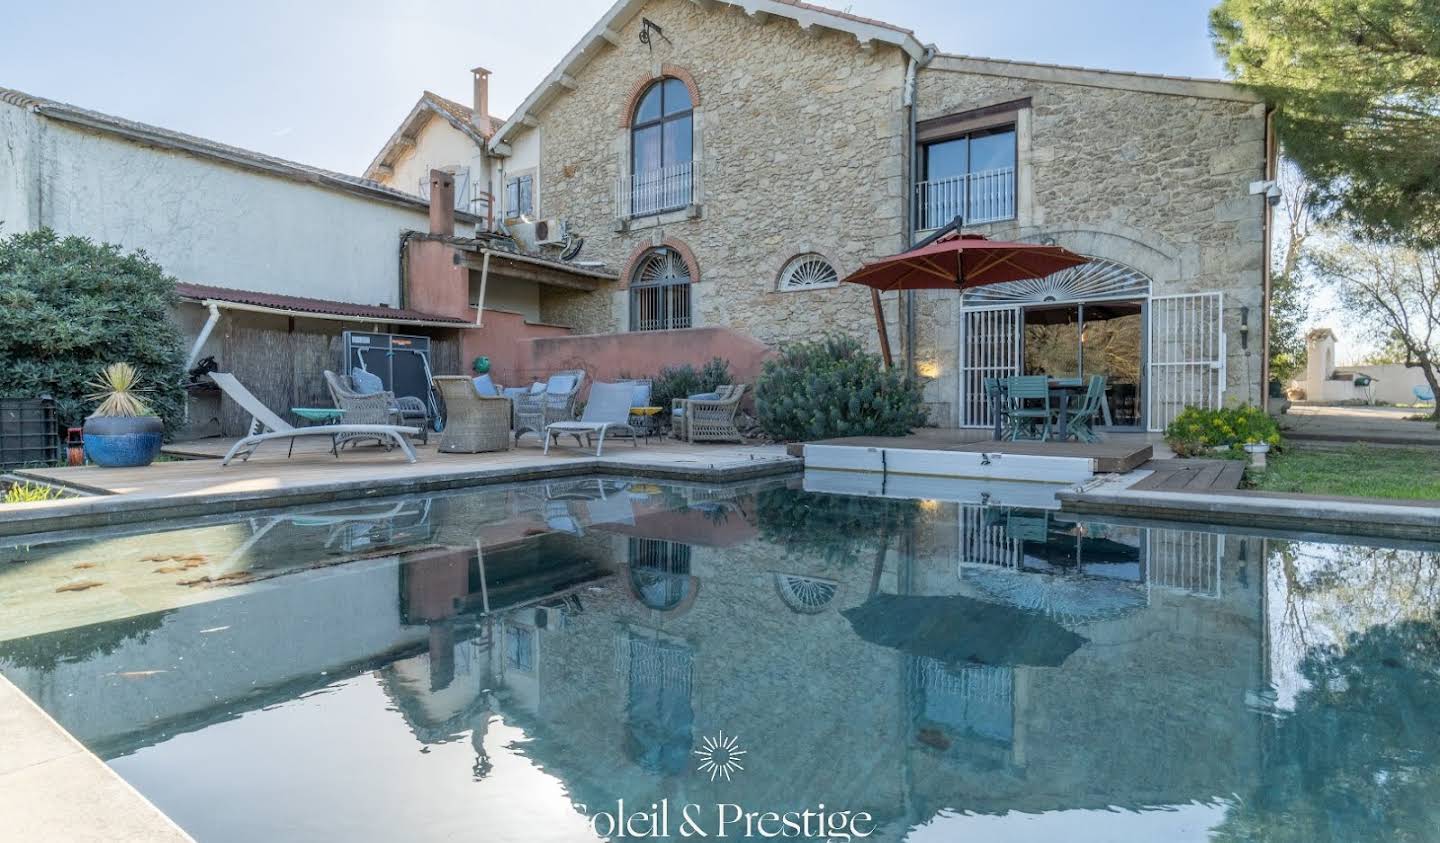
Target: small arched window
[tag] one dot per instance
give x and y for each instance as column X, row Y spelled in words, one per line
column 808, row 272
column 661, row 149
column 660, row 292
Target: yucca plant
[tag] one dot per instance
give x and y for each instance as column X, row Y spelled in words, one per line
column 29, row 493
column 118, row 391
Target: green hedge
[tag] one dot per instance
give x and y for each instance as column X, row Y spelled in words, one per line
column 69, row 307
column 831, row 387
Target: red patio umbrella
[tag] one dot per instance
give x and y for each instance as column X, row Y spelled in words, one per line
column 956, row 261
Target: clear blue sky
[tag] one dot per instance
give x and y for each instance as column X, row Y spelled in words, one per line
column 325, row 82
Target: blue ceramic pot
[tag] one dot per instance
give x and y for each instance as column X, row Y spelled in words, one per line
column 122, row 441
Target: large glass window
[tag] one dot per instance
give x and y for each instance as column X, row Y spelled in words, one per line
column 661, row 149
column 971, row 177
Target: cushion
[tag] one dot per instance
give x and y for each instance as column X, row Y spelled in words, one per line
column 366, row 383
column 706, row 396
column 485, row 386
column 640, row 397
column 561, row 384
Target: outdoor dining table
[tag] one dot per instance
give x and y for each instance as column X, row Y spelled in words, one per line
column 1060, row 391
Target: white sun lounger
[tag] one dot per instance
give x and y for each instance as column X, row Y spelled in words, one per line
column 608, row 409
column 265, row 425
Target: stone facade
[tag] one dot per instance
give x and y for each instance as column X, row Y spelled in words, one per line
column 1157, row 180
column 803, row 142
column 799, row 142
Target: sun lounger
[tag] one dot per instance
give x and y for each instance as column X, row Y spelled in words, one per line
column 607, row 410
column 265, row 425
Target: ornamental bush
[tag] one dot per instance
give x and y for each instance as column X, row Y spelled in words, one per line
column 684, row 381
column 69, row 307
column 831, row 387
column 1198, row 432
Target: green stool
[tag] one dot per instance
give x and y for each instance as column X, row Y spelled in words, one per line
column 317, row 415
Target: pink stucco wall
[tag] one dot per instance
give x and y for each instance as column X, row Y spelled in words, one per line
column 642, row 354
column 436, row 284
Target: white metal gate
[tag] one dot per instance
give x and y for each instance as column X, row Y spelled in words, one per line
column 989, row 348
column 1187, row 355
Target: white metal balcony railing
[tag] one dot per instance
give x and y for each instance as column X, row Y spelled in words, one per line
column 980, row 197
column 668, row 188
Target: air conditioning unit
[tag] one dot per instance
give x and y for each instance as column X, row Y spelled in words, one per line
column 551, row 232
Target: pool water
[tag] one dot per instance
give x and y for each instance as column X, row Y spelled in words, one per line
column 607, row 659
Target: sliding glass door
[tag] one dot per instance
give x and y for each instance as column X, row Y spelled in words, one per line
column 1095, row 338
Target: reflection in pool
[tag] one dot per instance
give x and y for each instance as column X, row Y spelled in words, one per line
column 508, row 663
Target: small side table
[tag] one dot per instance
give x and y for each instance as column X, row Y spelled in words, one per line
column 643, row 420
column 316, row 416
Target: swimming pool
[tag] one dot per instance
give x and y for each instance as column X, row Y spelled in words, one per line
column 575, row 659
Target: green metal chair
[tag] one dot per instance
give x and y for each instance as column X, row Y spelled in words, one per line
column 1080, row 422
column 1025, row 419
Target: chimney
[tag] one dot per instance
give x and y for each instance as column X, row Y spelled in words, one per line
column 482, row 101
column 442, row 203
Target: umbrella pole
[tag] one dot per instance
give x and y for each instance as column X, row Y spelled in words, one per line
column 880, row 325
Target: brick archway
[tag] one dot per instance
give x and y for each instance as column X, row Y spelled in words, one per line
column 643, row 84
column 646, row 248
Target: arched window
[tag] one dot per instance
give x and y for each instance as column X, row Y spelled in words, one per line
column 661, row 149
column 660, row 291
column 808, row 272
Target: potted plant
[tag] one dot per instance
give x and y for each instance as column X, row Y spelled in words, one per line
column 121, row 432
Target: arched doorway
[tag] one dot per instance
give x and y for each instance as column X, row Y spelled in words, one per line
column 1158, row 354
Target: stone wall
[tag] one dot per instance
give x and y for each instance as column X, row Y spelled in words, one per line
column 799, row 139
column 1153, row 180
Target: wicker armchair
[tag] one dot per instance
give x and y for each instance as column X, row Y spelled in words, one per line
column 535, row 410
column 378, row 408
column 404, row 409
column 707, row 420
column 473, row 422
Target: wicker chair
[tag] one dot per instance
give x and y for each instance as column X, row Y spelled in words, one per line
column 378, row 408
column 706, row 420
column 536, row 410
column 404, row 409
column 473, row 422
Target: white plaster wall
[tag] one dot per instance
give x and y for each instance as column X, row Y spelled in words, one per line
column 19, row 192
column 524, row 158
column 211, row 223
column 1394, row 384
column 439, row 145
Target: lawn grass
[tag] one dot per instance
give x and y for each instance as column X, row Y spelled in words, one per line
column 1362, row 470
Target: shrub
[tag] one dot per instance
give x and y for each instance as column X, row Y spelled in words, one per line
column 70, row 307
column 29, row 493
column 831, row 387
column 684, row 381
column 1197, row 432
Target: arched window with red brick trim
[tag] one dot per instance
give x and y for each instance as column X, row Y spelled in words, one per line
column 662, row 140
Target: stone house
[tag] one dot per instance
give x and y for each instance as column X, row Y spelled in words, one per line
column 733, row 161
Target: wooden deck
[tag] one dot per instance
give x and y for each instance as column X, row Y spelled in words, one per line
column 1192, row 475
column 200, row 485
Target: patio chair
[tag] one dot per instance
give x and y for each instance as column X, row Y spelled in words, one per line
column 265, row 425
column 535, row 411
column 998, row 406
column 641, row 391
column 1080, row 421
column 407, row 408
column 1423, row 393
column 1024, row 418
column 381, row 407
column 474, row 422
column 704, row 419
column 607, row 411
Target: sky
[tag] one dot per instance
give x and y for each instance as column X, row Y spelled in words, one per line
column 326, row 83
